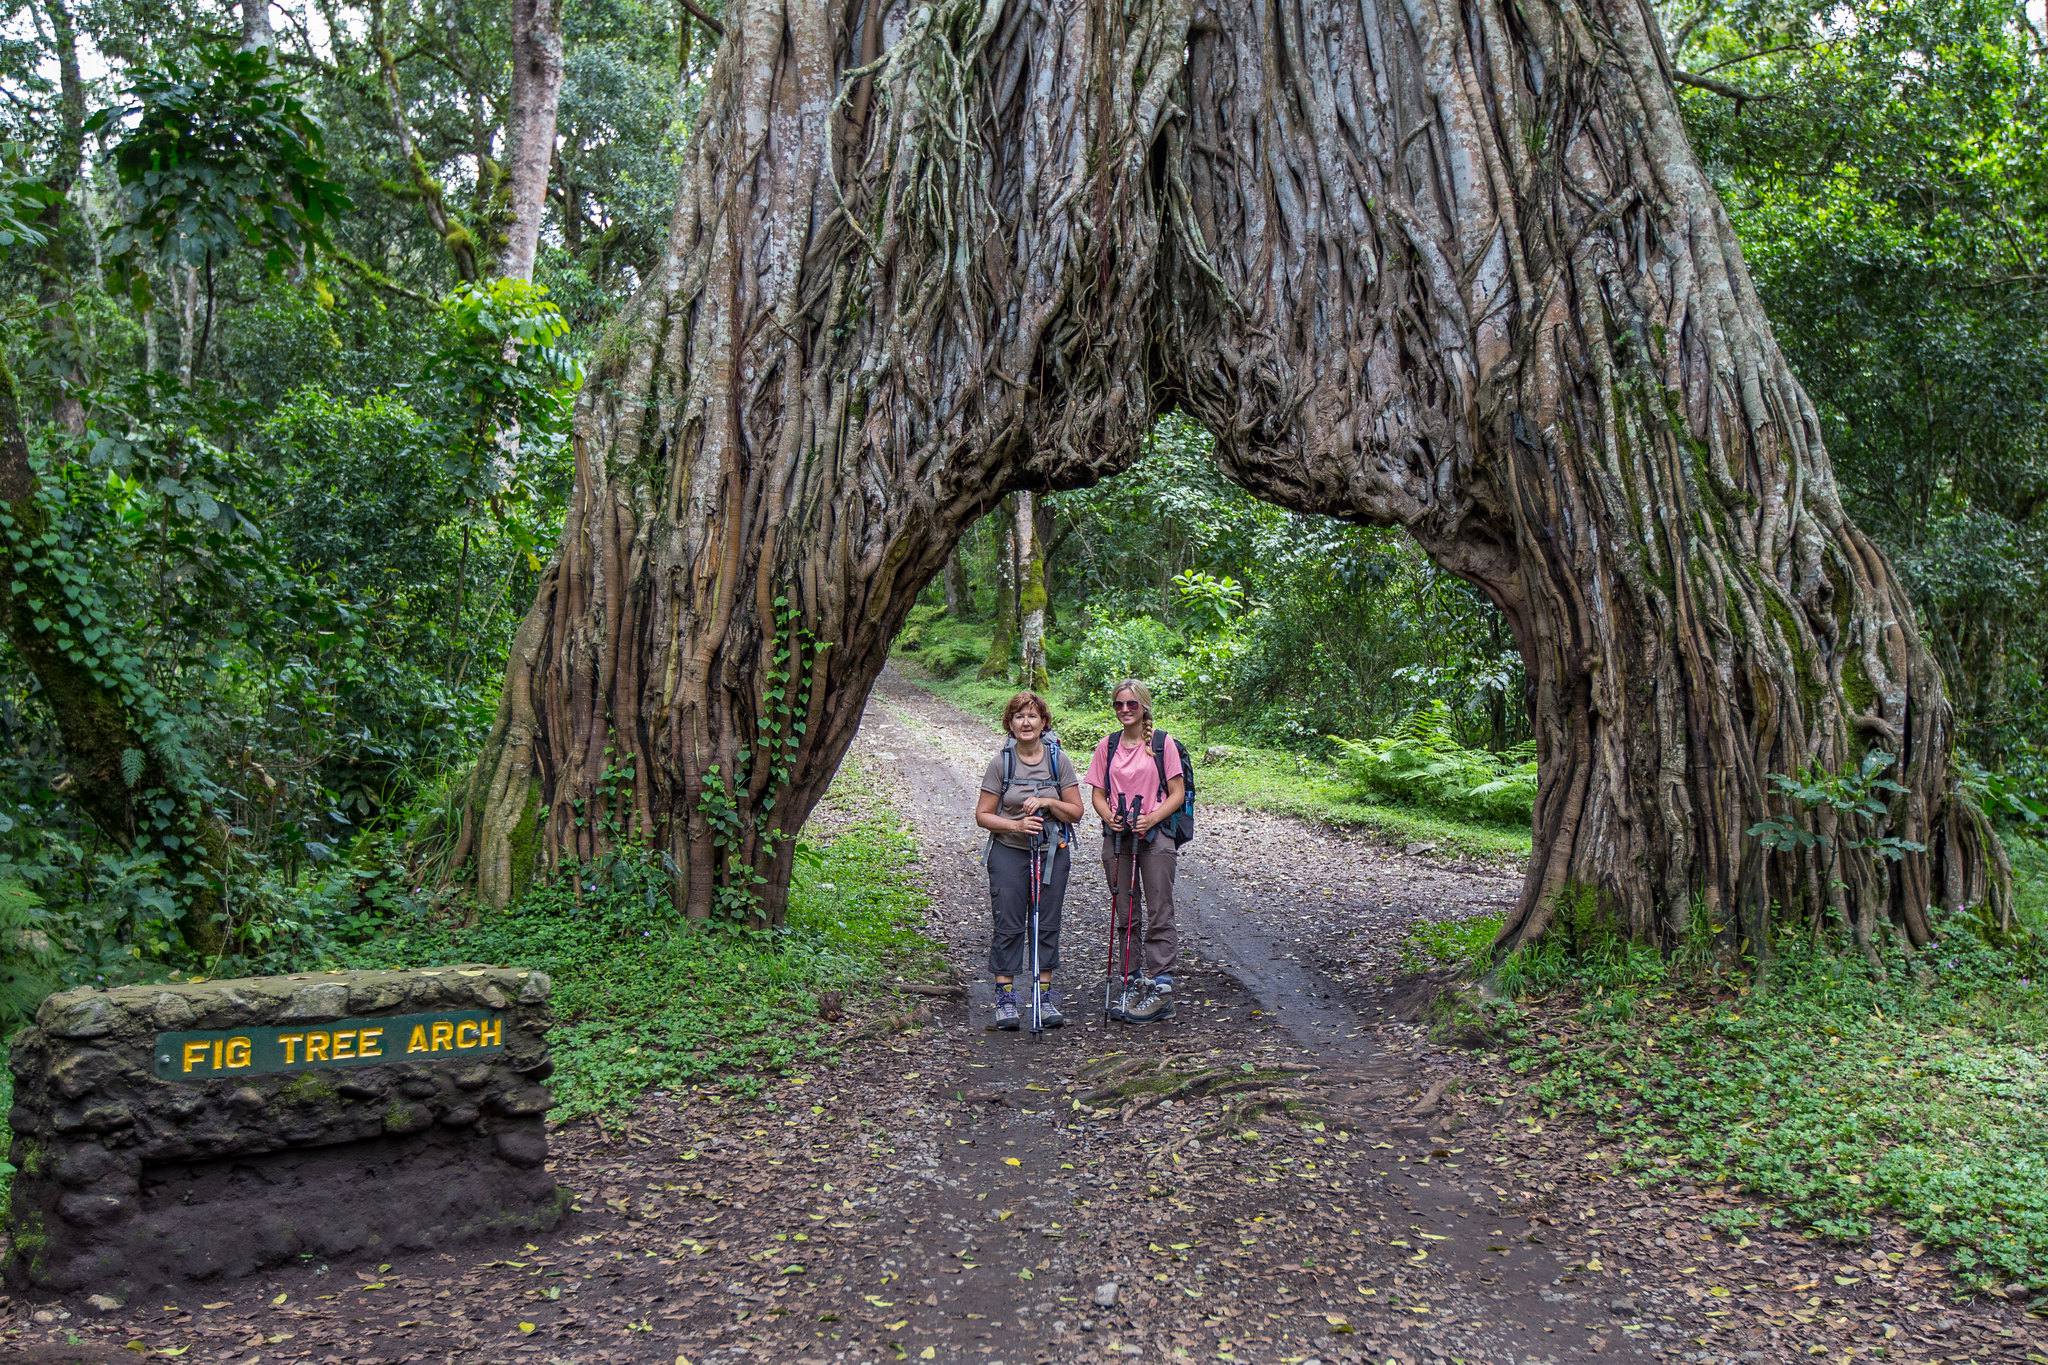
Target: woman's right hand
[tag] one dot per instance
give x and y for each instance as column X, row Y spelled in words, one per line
column 1030, row 824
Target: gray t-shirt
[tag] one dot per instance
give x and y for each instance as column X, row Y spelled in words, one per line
column 1026, row 779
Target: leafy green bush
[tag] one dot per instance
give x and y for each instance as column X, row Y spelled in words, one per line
column 1115, row 648
column 644, row 1002
column 29, row 958
column 1420, row 760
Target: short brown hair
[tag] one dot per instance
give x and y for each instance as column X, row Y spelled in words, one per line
column 1022, row 701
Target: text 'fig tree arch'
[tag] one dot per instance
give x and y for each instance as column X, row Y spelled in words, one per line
column 1453, row 268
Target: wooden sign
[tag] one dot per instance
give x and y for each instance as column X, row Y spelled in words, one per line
column 207, row 1056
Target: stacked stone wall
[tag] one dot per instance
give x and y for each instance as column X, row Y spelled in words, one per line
column 170, row 1133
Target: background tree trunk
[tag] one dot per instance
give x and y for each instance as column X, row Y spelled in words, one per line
column 959, row 597
column 536, row 96
column 1030, row 595
column 1002, row 643
column 1449, row 268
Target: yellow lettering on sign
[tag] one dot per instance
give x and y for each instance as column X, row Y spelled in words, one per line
column 368, row 1044
column 492, row 1032
column 290, row 1043
column 465, row 1034
column 418, row 1041
column 195, row 1053
column 444, row 1036
column 344, row 1044
column 239, row 1053
column 316, row 1047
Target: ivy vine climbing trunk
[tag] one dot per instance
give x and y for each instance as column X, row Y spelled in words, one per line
column 1452, row 268
column 130, row 780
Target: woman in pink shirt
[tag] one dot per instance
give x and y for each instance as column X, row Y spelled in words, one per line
column 1127, row 764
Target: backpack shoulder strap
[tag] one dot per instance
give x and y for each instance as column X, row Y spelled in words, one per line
column 1159, row 757
column 1009, row 763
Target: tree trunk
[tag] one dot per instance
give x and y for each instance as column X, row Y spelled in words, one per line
column 1030, row 595
column 1453, row 269
column 53, row 258
column 1002, row 644
column 256, row 30
column 536, row 94
column 959, row 597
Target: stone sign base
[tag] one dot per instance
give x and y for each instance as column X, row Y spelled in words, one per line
column 164, row 1134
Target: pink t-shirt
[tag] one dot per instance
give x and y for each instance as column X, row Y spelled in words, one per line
column 1134, row 774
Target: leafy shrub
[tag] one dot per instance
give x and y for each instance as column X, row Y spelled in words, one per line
column 1115, row 648
column 29, row 958
column 1421, row 761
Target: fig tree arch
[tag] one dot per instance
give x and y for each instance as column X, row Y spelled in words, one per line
column 1445, row 265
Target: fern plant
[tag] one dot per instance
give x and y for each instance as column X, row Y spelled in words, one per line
column 1420, row 761
column 28, row 955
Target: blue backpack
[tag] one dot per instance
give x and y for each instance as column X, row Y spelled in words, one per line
column 1063, row 832
column 1180, row 826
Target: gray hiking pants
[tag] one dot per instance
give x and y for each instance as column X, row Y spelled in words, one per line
column 1158, row 860
column 1009, row 894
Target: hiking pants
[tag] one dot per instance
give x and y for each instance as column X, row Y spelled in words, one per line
column 1158, row 859
column 1009, row 894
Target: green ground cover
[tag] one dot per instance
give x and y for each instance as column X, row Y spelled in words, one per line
column 1232, row 771
column 1830, row 1093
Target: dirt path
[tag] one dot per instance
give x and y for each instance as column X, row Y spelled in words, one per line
column 1327, row 1185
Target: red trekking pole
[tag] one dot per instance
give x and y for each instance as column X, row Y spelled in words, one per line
column 1116, row 862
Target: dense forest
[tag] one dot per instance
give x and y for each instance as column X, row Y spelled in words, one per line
column 299, row 301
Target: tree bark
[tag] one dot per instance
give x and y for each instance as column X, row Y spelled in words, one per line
column 536, row 95
column 256, row 31
column 1449, row 268
column 53, row 258
column 1002, row 641
column 1030, row 563
column 959, row 597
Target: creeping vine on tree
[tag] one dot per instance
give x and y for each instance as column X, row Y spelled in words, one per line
column 786, row 700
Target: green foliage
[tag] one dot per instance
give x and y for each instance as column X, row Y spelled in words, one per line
column 946, row 646
column 1832, row 1092
column 1460, row 943
column 1113, row 649
column 1855, row 795
column 29, row 955
column 223, row 154
column 644, row 1002
column 1420, row 760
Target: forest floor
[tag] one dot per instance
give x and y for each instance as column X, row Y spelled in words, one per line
column 1289, row 1171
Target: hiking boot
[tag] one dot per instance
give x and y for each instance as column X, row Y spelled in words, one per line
column 1120, row 1003
column 1155, row 1006
column 1006, row 1008
column 1049, row 1015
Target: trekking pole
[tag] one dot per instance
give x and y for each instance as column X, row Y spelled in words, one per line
column 1116, row 862
column 1134, row 934
column 1037, row 986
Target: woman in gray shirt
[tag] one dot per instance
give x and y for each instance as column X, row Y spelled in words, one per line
column 1030, row 792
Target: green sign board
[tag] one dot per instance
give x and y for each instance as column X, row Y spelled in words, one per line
column 224, row 1053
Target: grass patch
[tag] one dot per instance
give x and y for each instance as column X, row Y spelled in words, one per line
column 1246, row 775
column 644, row 1003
